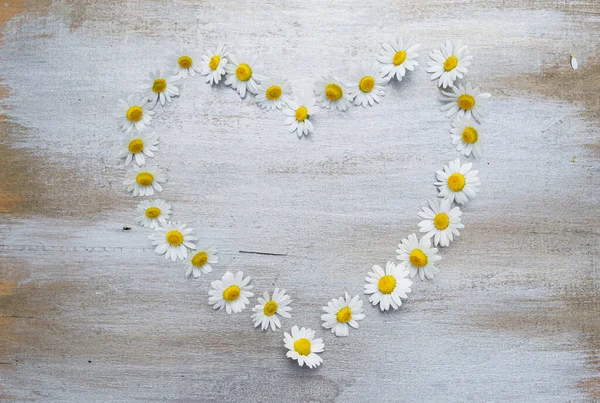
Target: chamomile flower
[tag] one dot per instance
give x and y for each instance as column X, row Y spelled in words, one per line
column 200, row 261
column 185, row 63
column 397, row 56
column 466, row 135
column 388, row 286
column 367, row 85
column 303, row 347
column 466, row 101
column 138, row 146
column 267, row 311
column 130, row 113
column 152, row 213
column 143, row 181
column 418, row 256
column 274, row 93
column 213, row 64
column 160, row 88
column 332, row 94
column 231, row 292
column 457, row 182
column 449, row 63
column 440, row 221
column 341, row 313
column 173, row 240
column 242, row 72
column 299, row 112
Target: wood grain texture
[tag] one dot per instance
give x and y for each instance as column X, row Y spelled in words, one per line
column 89, row 313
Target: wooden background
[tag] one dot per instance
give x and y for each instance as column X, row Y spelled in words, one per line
column 89, row 313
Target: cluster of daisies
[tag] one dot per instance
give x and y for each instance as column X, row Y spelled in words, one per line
column 457, row 182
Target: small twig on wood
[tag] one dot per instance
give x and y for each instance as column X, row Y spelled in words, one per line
column 263, row 253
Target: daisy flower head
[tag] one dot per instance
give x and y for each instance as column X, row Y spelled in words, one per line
column 200, row 261
column 138, row 146
column 332, row 94
column 231, row 292
column 143, row 181
column 397, row 56
column 242, row 72
column 185, row 63
column 388, row 286
column 160, row 88
column 274, row 93
column 173, row 240
column 466, row 135
column 466, row 101
column 298, row 115
column 341, row 313
column 267, row 311
column 418, row 256
column 303, row 347
column 456, row 182
column 133, row 112
column 449, row 63
column 152, row 213
column 367, row 85
column 213, row 64
column 440, row 221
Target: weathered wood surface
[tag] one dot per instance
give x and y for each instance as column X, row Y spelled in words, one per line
column 89, row 313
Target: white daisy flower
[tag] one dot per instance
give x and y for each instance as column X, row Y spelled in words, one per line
column 160, row 88
column 265, row 313
column 143, row 181
column 303, row 347
column 466, row 101
column 457, row 183
column 332, row 94
column 440, row 222
column 152, row 213
column 242, row 72
column 185, row 63
column 418, row 256
column 388, row 286
column 200, row 261
column 367, row 87
column 130, row 114
column 213, row 64
column 341, row 313
column 449, row 63
column 138, row 146
column 299, row 112
column 274, row 93
column 173, row 240
column 231, row 292
column 466, row 135
column 397, row 56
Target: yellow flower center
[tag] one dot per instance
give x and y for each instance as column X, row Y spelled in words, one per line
column 185, row 62
column 270, row 308
column 152, row 212
column 174, row 238
column 366, row 84
column 243, row 72
column 469, row 135
column 273, row 92
column 159, row 85
column 344, row 315
column 451, row 63
column 214, row 62
column 456, row 182
column 333, row 92
column 302, row 346
column 135, row 146
column 441, row 221
column 134, row 113
column 200, row 259
column 144, row 178
column 231, row 293
column 466, row 102
column 301, row 114
column 418, row 258
column 399, row 58
column 386, row 284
